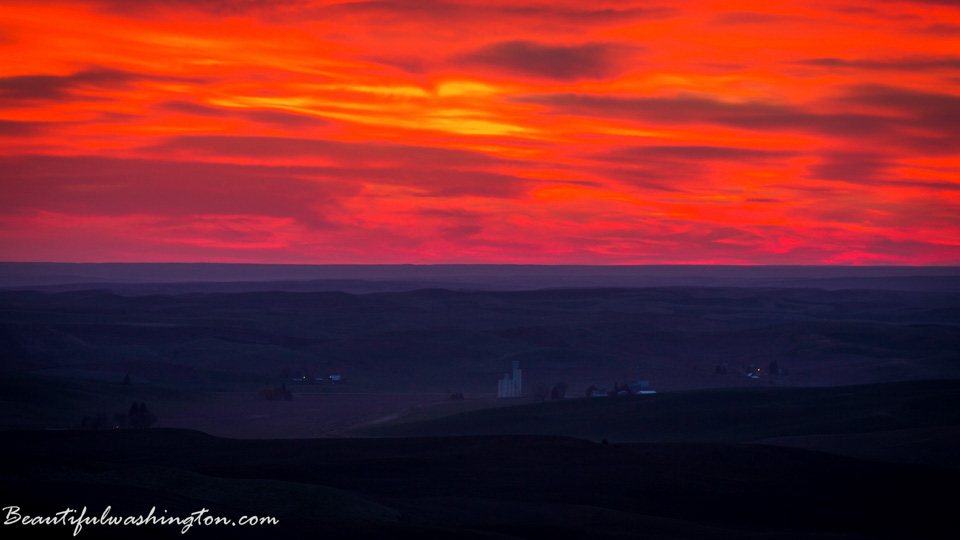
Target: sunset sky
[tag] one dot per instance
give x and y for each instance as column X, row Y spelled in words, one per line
column 477, row 131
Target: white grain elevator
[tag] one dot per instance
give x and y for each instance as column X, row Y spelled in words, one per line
column 511, row 386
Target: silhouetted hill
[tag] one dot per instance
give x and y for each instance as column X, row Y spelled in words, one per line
column 912, row 422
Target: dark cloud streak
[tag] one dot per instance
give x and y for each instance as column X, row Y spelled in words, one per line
column 61, row 87
column 694, row 153
column 913, row 63
column 557, row 62
column 752, row 115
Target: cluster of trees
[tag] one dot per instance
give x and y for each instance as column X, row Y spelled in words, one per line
column 456, row 396
column 542, row 392
column 617, row 388
column 272, row 392
column 137, row 417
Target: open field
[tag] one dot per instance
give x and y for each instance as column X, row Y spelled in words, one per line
column 46, row 402
column 440, row 341
column 246, row 416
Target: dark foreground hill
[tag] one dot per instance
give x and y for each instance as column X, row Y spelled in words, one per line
column 467, row 487
column 911, row 422
column 915, row 422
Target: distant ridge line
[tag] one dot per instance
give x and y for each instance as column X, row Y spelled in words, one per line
column 482, row 276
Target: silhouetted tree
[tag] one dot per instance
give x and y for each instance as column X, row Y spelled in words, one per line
column 139, row 417
column 559, row 390
column 590, row 390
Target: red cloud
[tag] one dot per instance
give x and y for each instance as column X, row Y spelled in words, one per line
column 474, row 131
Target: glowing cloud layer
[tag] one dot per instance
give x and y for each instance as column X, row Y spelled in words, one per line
column 477, row 131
